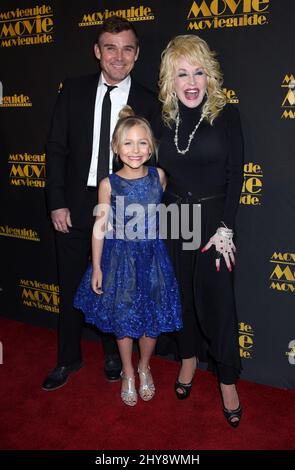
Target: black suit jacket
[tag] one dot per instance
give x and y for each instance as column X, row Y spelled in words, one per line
column 69, row 146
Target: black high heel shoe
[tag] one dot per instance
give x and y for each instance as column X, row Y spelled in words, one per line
column 233, row 414
column 186, row 390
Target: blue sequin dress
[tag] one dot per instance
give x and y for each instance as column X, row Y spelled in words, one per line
column 140, row 292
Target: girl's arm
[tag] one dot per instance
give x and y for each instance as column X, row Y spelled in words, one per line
column 99, row 230
column 163, row 179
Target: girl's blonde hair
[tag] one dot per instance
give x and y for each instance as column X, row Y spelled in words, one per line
column 127, row 120
column 194, row 50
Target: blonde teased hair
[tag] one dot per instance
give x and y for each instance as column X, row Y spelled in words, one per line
column 195, row 51
column 127, row 120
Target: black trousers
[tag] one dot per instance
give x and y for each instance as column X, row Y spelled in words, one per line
column 189, row 337
column 73, row 251
column 196, row 294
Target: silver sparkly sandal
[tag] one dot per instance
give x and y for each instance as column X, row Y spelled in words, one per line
column 147, row 388
column 129, row 396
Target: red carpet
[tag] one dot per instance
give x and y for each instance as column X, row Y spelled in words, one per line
column 88, row 413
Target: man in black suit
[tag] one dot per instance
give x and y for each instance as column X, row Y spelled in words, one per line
column 73, row 172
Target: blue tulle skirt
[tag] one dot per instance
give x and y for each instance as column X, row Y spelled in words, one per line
column 140, row 292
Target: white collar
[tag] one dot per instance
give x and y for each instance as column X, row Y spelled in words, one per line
column 124, row 85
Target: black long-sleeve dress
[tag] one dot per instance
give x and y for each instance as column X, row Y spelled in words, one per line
column 210, row 173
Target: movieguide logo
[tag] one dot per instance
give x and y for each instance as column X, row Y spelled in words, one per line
column 214, row 14
column 27, row 169
column 26, row 27
column 288, row 104
column 40, row 295
column 231, row 96
column 141, row 13
column 253, row 184
column 283, row 275
column 15, row 101
column 23, row 233
column 246, row 340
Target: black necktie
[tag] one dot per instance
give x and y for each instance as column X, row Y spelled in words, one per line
column 104, row 140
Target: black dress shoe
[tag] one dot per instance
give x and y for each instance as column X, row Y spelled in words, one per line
column 112, row 368
column 59, row 376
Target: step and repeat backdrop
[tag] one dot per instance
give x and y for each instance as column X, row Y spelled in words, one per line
column 43, row 43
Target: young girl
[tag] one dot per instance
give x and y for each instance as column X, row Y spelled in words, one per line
column 131, row 290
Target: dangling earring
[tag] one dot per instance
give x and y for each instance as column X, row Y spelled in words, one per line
column 174, row 94
column 150, row 156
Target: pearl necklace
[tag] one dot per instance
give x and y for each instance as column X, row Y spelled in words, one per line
column 191, row 136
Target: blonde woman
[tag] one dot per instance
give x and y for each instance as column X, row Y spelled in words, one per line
column 202, row 153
